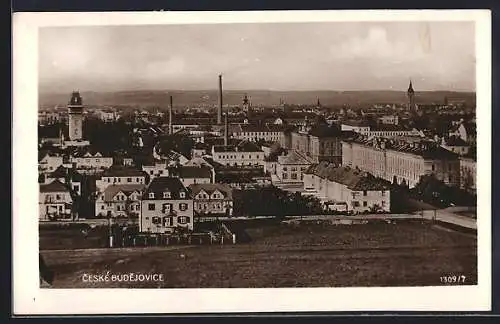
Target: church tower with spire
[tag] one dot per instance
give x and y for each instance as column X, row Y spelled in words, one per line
column 411, row 97
column 246, row 105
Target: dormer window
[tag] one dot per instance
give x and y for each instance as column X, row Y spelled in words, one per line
column 151, row 195
column 182, row 194
column 166, row 194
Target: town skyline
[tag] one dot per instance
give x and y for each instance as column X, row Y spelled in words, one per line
column 331, row 56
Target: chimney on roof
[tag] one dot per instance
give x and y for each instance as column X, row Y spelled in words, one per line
column 170, row 108
column 219, row 110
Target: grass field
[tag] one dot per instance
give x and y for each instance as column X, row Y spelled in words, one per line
column 408, row 253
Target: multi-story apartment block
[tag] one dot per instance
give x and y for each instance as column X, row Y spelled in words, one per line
column 242, row 154
column 401, row 162
column 166, row 204
column 468, row 173
column 255, row 133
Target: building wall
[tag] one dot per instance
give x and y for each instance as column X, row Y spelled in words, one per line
column 75, row 126
column 54, row 202
column 213, row 206
column 92, row 162
column 239, row 158
column 50, row 163
column 146, row 218
column 256, row 136
column 290, row 173
column 189, row 181
column 104, row 182
column 357, row 201
column 468, row 175
column 394, row 165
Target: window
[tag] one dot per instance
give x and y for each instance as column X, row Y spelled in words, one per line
column 109, row 180
column 183, row 220
column 285, row 169
column 294, row 176
column 284, row 176
column 137, row 179
column 151, row 195
column 364, row 193
column 182, row 194
column 156, row 220
column 166, row 208
column 166, row 194
column 151, row 172
column 75, row 188
column 383, row 193
column 160, row 172
column 433, row 167
column 119, row 179
column 365, row 203
column 355, row 203
column 183, row 206
column 151, row 206
column 129, row 179
column 102, row 207
column 118, row 207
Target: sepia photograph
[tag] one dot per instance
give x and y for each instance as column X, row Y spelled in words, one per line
column 255, row 151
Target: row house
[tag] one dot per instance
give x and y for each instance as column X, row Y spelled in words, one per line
column 91, row 162
column 166, row 205
column 242, row 154
column 255, row 133
column 214, row 199
column 401, row 162
column 347, row 189
column 54, row 201
column 123, row 200
column 389, row 131
column 118, row 175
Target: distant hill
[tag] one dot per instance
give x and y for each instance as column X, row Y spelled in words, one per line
column 257, row 97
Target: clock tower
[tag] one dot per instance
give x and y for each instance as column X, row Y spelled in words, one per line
column 75, row 114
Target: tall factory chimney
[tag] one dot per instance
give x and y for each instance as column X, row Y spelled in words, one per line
column 226, row 129
column 219, row 110
column 170, row 108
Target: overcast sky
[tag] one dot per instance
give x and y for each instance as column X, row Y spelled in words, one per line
column 284, row 56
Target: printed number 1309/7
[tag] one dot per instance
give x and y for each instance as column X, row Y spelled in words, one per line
column 452, row 279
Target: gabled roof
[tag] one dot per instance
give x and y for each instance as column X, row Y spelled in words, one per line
column 121, row 171
column 211, row 188
column 62, row 172
column 352, row 178
column 111, row 191
column 191, row 172
column 166, row 184
column 293, row 158
column 54, row 186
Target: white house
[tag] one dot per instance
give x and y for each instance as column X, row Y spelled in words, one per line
column 120, row 175
column 166, row 204
column 344, row 187
column 49, row 162
column 290, row 168
column 55, row 201
column 88, row 162
column 212, row 199
column 123, row 200
column 243, row 154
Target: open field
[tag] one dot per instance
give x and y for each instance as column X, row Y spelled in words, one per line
column 406, row 253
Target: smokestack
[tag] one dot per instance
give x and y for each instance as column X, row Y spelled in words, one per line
column 219, row 111
column 170, row 116
column 225, row 130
